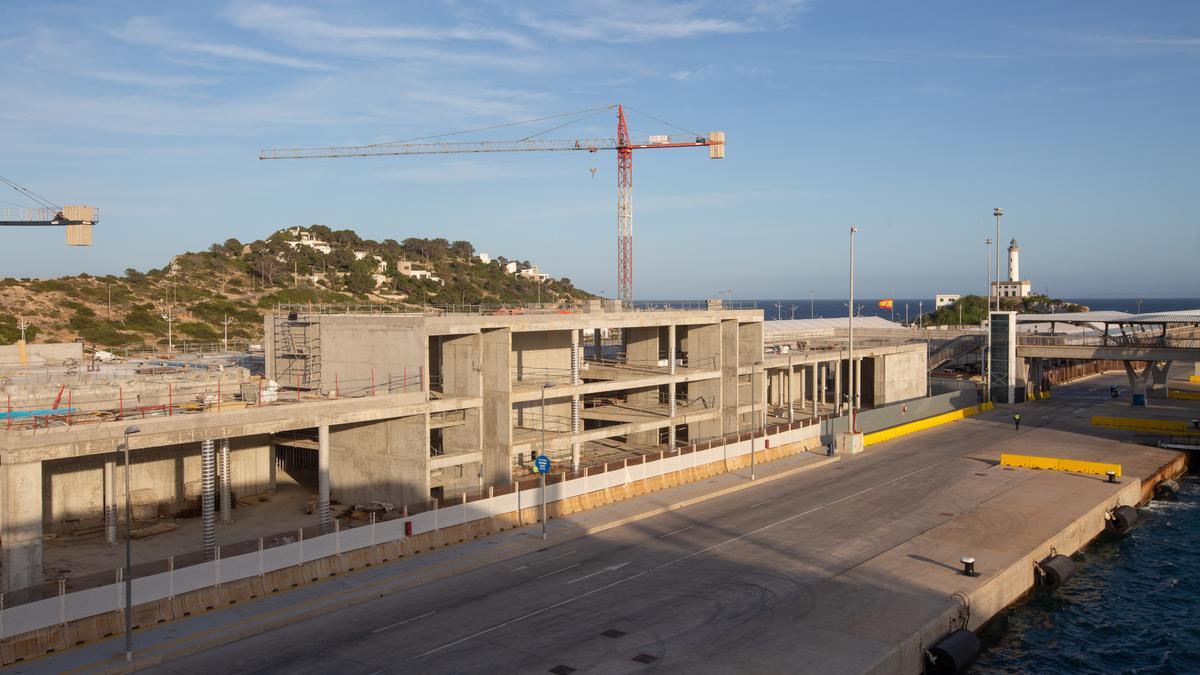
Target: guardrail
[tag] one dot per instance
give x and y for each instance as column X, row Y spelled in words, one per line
column 504, row 309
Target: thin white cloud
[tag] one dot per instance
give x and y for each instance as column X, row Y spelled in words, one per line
column 151, row 33
column 305, row 26
column 649, row 20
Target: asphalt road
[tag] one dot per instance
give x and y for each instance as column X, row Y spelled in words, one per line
column 734, row 583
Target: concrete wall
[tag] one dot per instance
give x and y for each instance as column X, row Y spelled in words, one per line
column 899, row 377
column 386, row 461
column 351, row 346
column 41, row 354
column 899, row 413
column 702, row 344
column 497, row 406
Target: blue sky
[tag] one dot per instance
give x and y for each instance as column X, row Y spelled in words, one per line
column 910, row 120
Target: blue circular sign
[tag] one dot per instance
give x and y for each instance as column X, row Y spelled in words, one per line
column 542, row 464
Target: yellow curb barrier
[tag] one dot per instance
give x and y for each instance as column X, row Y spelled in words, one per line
column 1185, row 395
column 1193, row 378
column 927, row 423
column 1059, row 464
column 1138, row 424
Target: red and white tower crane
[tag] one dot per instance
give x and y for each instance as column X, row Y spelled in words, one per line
column 623, row 144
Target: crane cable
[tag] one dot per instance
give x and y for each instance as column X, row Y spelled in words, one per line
column 590, row 114
column 497, row 126
column 662, row 121
column 42, row 201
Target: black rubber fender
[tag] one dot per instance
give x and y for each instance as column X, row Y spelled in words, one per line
column 953, row 654
column 1056, row 570
column 1121, row 520
column 1168, row 489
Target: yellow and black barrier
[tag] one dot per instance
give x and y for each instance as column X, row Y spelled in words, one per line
column 1059, row 464
column 921, row 425
column 1138, row 424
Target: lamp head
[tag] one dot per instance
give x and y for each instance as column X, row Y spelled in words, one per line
column 132, row 430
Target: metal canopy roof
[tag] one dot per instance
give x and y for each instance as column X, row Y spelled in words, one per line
column 818, row 325
column 1182, row 316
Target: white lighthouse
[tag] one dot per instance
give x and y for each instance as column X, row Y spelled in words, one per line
column 1014, row 286
column 1013, row 253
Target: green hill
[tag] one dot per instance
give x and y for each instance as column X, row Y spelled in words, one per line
column 240, row 282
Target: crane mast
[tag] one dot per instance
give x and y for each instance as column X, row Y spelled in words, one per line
column 623, row 144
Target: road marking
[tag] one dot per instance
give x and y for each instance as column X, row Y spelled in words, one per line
column 401, row 623
column 530, row 614
column 803, row 513
column 663, row 536
column 560, row 555
column 568, row 567
column 610, row 568
column 605, row 587
column 761, row 503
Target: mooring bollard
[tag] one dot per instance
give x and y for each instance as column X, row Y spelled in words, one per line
column 968, row 564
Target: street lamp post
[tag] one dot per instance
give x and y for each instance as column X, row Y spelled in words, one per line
column 129, row 431
column 754, row 410
column 541, row 475
column 850, row 338
column 987, row 322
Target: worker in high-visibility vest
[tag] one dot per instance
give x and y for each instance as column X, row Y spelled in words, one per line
column 1017, row 421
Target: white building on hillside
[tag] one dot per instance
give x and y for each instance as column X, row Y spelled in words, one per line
column 304, row 238
column 485, row 258
column 945, row 300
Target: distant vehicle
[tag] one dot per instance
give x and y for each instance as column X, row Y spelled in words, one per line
column 254, row 347
column 104, row 357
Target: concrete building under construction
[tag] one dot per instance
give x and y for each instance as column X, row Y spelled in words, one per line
column 394, row 407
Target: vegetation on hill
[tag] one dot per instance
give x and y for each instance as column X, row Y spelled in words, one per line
column 974, row 309
column 238, row 283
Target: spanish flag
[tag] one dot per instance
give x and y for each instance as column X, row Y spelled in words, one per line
column 885, row 304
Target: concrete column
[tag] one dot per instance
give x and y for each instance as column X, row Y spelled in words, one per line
column 1137, row 382
column 226, row 497
column 208, row 497
column 815, row 389
column 1158, row 372
column 21, row 525
column 597, row 344
column 837, row 387
column 704, row 353
column 323, row 516
column 671, row 387
column 790, row 398
column 823, row 380
column 497, row 406
column 857, row 384
column 729, row 376
column 110, row 499
column 462, row 376
column 576, row 420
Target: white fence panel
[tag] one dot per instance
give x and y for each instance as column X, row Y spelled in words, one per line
column 194, row 577
column 238, row 567
column 279, row 557
column 390, row 530
column 359, row 537
column 476, row 510
column 35, row 615
column 82, row 604
column 505, row 503
column 422, row 522
column 153, row 587
column 319, row 547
